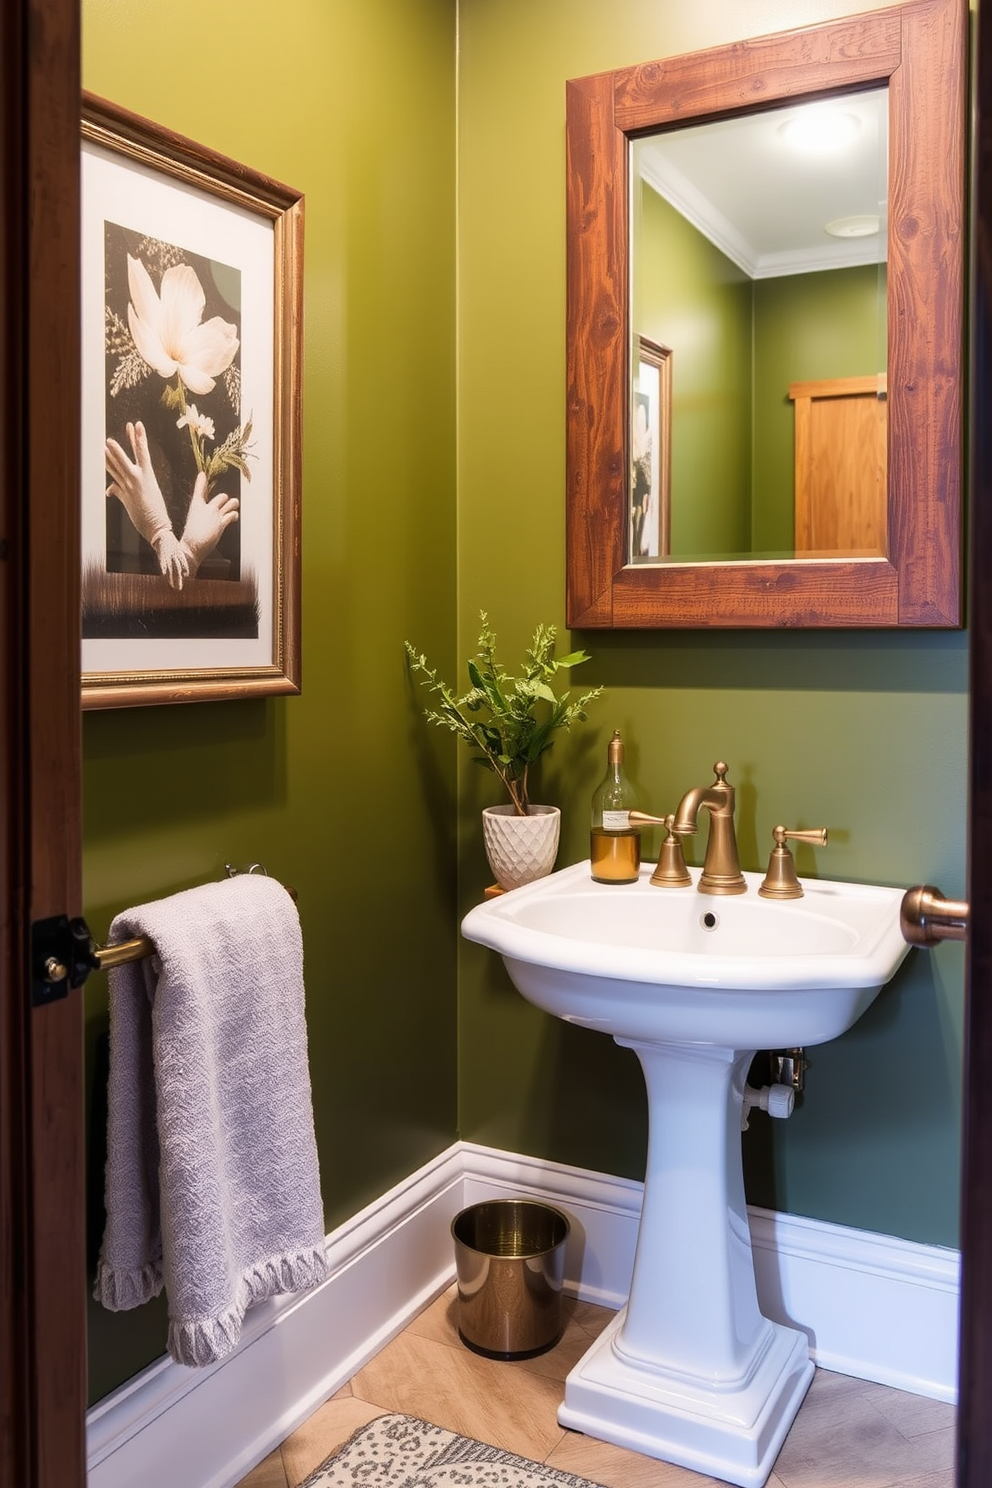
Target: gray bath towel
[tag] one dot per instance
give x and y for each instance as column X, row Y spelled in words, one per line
column 212, row 1186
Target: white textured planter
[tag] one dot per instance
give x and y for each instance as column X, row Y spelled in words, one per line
column 520, row 848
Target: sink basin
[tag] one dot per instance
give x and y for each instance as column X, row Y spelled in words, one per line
column 655, row 963
column 691, row 1371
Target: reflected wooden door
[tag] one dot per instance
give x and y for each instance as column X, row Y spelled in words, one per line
column 42, row 1248
column 841, row 465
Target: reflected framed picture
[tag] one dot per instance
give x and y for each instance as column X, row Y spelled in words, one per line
column 192, row 286
column 650, row 452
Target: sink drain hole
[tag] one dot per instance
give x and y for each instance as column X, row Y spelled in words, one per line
column 709, row 920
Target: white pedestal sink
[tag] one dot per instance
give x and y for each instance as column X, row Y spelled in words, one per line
column 690, row 1371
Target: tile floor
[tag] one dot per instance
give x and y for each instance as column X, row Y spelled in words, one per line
column 848, row 1434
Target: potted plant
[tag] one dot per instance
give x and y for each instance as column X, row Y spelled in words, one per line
column 511, row 722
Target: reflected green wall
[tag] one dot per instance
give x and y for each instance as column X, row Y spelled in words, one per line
column 863, row 733
column 691, row 298
column 339, row 792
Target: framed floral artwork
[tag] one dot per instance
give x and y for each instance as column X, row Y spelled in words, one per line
column 650, row 452
column 192, row 287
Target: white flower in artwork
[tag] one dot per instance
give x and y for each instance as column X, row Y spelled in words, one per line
column 169, row 331
column 196, row 422
column 166, row 334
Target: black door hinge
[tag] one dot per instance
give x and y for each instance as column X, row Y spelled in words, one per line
column 62, row 956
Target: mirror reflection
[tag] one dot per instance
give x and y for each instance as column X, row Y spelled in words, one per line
column 758, row 319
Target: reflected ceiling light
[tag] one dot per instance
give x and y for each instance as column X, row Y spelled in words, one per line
column 865, row 226
column 820, row 129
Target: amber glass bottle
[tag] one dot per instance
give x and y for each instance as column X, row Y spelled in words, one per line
column 615, row 846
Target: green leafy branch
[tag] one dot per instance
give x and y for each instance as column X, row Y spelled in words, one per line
column 131, row 368
column 509, row 720
column 233, row 454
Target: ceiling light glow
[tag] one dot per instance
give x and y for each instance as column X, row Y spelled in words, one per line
column 820, row 129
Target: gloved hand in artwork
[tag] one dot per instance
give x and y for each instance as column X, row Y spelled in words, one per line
column 136, row 487
column 206, row 522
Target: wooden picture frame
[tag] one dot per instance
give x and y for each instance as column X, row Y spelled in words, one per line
column 651, row 453
column 192, row 288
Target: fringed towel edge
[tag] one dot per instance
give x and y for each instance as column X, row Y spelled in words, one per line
column 120, row 1290
column 199, row 1341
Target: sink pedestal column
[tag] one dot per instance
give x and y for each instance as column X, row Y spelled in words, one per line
column 690, row 1371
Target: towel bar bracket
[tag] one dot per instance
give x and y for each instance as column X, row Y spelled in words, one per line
column 63, row 952
column 62, row 957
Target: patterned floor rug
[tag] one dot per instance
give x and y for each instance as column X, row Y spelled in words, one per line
column 402, row 1452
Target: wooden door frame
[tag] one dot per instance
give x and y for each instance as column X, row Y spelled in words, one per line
column 42, row 1194
column 42, row 1316
column 975, row 1377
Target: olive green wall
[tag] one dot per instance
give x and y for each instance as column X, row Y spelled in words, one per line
column 691, row 298
column 863, row 733
column 339, row 792
column 352, row 101
column 806, row 326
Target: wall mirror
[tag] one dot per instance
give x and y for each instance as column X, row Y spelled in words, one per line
column 764, row 361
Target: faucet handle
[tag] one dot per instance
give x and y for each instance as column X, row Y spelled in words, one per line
column 645, row 819
column 671, row 872
column 780, row 882
column 812, row 834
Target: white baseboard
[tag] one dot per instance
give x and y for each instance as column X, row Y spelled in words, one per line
column 874, row 1307
column 604, row 1213
column 206, row 1428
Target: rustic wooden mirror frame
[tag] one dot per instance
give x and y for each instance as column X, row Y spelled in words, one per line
column 919, row 51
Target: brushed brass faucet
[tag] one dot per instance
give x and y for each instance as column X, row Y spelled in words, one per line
column 721, row 868
column 780, row 882
column 671, row 872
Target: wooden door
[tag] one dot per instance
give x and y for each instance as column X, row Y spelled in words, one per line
column 42, row 1249
column 841, row 466
column 975, row 1402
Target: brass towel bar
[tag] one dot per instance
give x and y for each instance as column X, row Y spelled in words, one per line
column 63, row 952
column 124, row 950
column 927, row 917
column 142, row 947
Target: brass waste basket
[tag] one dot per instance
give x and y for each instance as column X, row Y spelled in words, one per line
column 510, row 1258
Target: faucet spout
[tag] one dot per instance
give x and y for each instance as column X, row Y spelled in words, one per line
column 687, row 815
column 721, row 867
